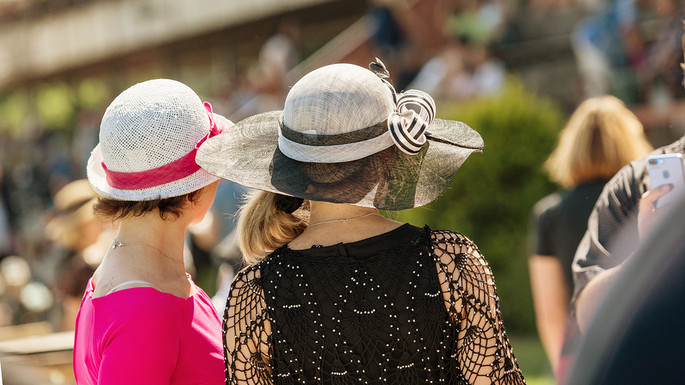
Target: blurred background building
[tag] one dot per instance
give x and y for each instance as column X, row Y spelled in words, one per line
column 63, row 61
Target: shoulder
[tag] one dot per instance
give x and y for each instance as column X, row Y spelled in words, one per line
column 248, row 280
column 140, row 315
column 458, row 258
column 449, row 237
column 548, row 202
column 677, row 146
column 144, row 304
column 251, row 271
column 450, row 247
column 624, row 189
column 547, row 205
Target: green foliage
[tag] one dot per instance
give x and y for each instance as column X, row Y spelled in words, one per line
column 92, row 93
column 56, row 105
column 14, row 108
column 491, row 196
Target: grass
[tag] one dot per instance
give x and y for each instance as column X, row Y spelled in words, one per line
column 532, row 360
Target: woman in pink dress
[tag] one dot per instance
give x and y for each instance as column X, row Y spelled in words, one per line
column 142, row 319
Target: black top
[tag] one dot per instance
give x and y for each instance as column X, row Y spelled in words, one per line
column 560, row 221
column 408, row 306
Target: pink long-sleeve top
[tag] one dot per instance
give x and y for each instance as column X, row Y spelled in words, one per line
column 143, row 336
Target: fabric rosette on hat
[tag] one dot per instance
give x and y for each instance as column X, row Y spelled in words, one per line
column 345, row 136
column 149, row 137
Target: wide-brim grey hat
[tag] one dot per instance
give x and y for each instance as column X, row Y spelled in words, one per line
column 345, row 136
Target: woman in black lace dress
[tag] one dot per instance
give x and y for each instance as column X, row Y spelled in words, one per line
column 334, row 292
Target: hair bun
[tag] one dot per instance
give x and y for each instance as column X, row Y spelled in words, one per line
column 287, row 203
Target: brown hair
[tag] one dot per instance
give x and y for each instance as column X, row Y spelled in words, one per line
column 601, row 136
column 118, row 209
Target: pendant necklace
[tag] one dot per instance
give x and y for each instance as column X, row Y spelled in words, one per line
column 116, row 244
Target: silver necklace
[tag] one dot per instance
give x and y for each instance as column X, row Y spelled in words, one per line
column 342, row 219
column 116, row 244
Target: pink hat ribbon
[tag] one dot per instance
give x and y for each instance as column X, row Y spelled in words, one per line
column 178, row 169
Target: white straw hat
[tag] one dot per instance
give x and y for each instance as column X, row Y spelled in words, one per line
column 149, row 136
column 346, row 136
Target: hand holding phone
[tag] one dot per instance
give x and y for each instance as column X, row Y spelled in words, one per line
column 667, row 169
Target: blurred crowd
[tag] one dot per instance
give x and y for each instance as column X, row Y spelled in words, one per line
column 616, row 55
column 50, row 243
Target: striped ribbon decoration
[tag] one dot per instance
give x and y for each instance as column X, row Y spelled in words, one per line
column 407, row 125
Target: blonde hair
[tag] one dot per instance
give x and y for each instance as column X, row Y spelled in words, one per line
column 601, row 136
column 262, row 228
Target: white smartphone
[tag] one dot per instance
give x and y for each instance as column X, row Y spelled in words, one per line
column 665, row 169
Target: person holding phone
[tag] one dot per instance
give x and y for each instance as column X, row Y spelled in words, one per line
column 614, row 229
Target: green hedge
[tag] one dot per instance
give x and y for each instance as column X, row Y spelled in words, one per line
column 491, row 196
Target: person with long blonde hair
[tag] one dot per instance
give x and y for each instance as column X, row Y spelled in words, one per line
column 600, row 137
column 335, row 292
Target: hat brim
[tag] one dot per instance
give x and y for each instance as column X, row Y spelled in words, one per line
column 190, row 183
column 391, row 180
column 66, row 228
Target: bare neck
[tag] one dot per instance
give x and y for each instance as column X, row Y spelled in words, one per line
column 151, row 250
column 167, row 236
column 332, row 223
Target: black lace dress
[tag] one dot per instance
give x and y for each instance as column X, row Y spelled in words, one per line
column 412, row 306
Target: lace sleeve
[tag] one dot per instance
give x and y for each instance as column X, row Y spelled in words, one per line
column 247, row 331
column 483, row 350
